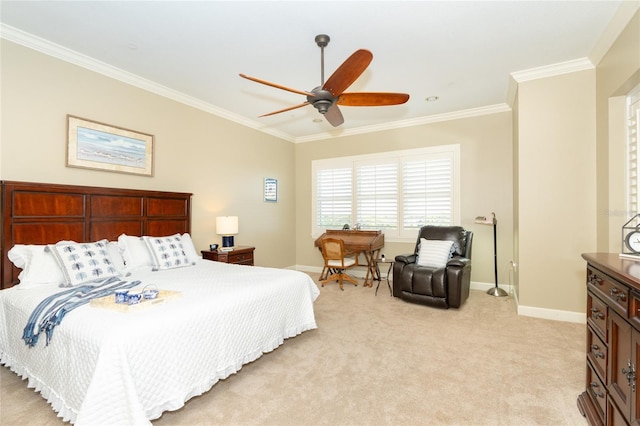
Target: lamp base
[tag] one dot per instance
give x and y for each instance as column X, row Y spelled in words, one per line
column 497, row 292
column 227, row 241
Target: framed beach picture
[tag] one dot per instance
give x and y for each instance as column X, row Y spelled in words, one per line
column 271, row 190
column 99, row 146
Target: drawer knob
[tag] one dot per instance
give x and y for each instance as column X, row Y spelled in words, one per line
column 596, row 314
column 617, row 294
column 595, row 280
column 594, row 351
column 596, row 392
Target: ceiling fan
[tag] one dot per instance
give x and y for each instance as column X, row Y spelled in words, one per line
column 326, row 97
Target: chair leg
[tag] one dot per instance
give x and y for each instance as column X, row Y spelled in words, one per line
column 339, row 277
column 324, row 273
column 333, row 277
column 349, row 278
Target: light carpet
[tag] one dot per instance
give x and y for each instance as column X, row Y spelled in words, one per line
column 376, row 360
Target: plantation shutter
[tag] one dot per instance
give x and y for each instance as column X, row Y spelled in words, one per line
column 427, row 191
column 334, row 198
column 377, row 195
column 633, row 130
column 396, row 192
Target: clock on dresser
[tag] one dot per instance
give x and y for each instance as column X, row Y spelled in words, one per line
column 240, row 255
column 631, row 238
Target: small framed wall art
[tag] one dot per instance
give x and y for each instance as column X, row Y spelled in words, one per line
column 99, row 146
column 271, row 190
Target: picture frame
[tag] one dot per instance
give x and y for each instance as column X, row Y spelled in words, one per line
column 100, row 146
column 270, row 190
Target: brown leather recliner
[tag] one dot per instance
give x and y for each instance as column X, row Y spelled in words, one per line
column 442, row 287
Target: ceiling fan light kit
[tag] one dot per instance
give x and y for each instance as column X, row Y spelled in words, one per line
column 326, row 97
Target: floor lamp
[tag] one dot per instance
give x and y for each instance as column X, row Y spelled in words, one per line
column 493, row 291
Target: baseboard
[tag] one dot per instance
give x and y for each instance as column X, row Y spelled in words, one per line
column 552, row 314
column 526, row 311
column 533, row 311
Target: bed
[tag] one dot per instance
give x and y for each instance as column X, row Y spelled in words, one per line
column 104, row 366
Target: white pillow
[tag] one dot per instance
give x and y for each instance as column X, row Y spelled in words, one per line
column 167, row 252
column 189, row 248
column 38, row 266
column 82, row 263
column 434, row 253
column 134, row 252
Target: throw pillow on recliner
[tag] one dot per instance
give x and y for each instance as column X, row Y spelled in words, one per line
column 434, row 253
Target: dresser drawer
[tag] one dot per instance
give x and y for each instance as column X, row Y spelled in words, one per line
column 597, row 354
column 616, row 294
column 240, row 255
column 241, row 258
column 597, row 392
column 597, row 313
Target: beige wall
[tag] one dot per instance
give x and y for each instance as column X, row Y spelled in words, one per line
column 617, row 73
column 222, row 163
column 556, row 189
column 486, row 183
column 569, row 179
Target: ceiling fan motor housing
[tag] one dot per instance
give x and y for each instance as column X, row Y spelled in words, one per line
column 322, row 101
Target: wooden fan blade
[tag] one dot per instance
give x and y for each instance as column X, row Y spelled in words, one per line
column 286, row 109
column 372, row 99
column 334, row 116
column 348, row 72
column 277, row 86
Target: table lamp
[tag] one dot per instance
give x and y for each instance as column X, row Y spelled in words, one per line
column 227, row 226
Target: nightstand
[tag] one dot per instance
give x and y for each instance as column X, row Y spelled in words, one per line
column 241, row 255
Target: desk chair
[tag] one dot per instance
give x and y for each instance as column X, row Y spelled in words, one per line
column 335, row 262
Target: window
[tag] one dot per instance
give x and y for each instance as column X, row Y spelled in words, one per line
column 396, row 192
column 633, row 130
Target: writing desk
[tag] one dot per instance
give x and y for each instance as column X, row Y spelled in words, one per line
column 369, row 243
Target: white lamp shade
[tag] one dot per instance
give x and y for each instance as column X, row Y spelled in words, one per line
column 226, row 225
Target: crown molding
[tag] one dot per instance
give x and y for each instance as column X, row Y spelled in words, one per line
column 552, row 70
column 512, row 91
column 60, row 52
column 448, row 116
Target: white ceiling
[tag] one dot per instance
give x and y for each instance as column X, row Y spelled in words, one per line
column 462, row 52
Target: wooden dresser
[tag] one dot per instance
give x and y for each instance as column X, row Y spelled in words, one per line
column 241, row 255
column 613, row 341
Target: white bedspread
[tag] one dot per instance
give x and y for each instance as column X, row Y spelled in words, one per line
column 109, row 367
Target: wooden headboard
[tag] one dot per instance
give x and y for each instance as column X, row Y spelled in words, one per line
column 40, row 213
